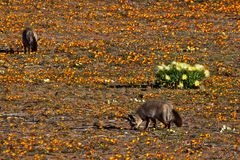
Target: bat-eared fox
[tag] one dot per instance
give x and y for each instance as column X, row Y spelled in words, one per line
column 29, row 40
column 155, row 110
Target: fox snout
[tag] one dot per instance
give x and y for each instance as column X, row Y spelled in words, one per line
column 132, row 121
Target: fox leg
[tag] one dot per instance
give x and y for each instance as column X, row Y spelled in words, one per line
column 154, row 122
column 147, row 123
column 29, row 50
column 168, row 125
column 25, row 48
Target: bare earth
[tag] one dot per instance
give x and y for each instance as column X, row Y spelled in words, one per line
column 95, row 65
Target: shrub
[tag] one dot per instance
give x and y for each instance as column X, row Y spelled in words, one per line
column 180, row 75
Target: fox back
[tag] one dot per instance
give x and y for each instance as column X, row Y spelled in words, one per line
column 156, row 110
column 29, row 40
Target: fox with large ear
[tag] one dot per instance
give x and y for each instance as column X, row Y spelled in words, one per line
column 29, row 40
column 155, row 110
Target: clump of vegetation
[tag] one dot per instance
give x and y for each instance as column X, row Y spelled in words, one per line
column 180, row 75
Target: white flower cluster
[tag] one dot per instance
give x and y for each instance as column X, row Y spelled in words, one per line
column 183, row 66
column 184, row 72
column 225, row 128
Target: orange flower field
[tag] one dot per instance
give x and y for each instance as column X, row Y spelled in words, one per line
column 95, row 64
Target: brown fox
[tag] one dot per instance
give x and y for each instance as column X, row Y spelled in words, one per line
column 29, row 40
column 155, row 110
